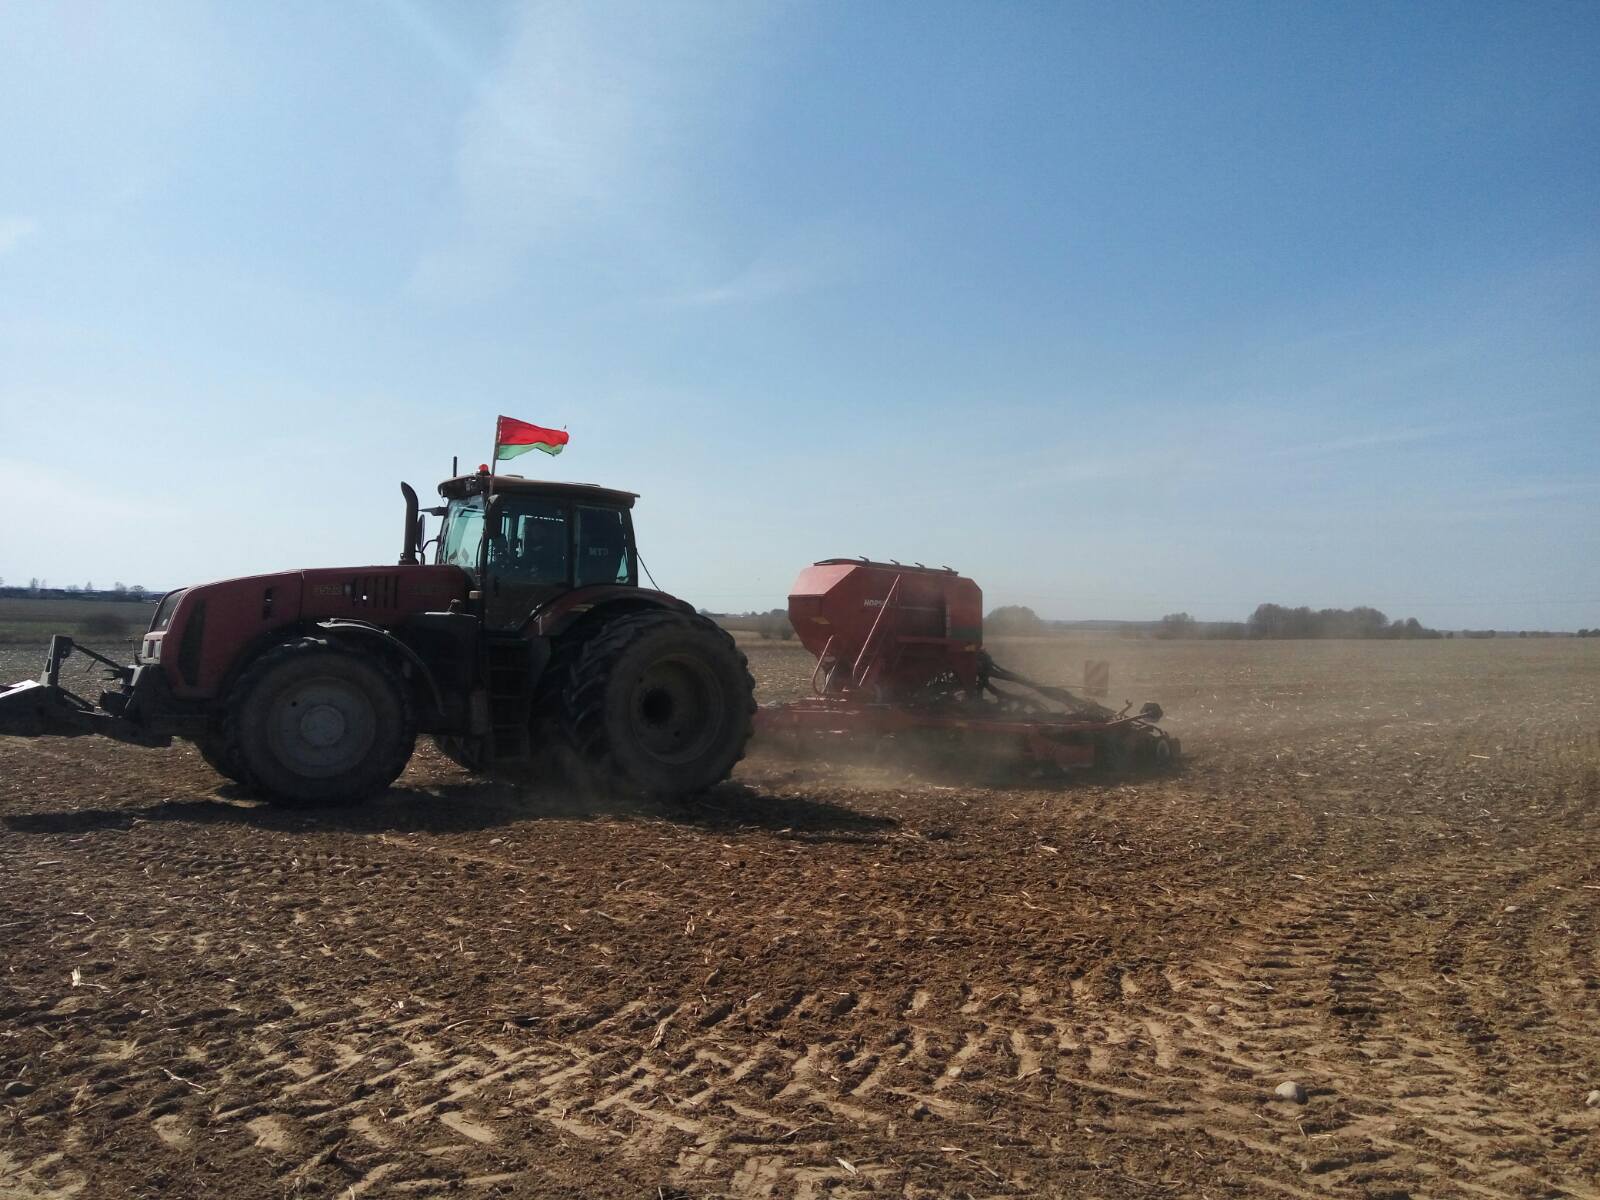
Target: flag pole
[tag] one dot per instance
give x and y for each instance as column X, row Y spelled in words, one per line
column 488, row 496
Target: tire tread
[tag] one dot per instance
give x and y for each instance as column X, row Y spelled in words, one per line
column 374, row 780
column 583, row 695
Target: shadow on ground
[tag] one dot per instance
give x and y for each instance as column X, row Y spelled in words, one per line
column 459, row 808
column 955, row 765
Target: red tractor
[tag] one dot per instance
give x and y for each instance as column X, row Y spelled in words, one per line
column 527, row 643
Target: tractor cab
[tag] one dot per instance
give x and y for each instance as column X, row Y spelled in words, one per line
column 524, row 541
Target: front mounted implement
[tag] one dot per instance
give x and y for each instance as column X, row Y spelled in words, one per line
column 900, row 654
column 43, row 707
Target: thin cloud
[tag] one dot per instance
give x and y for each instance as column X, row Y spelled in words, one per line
column 1199, row 449
column 1547, row 490
column 14, row 231
column 1366, row 441
column 1073, row 463
column 802, row 262
column 763, row 281
column 586, row 124
column 424, row 30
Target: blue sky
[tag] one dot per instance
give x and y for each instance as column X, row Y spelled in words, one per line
column 1120, row 309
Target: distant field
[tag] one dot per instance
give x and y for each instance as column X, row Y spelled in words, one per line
column 110, row 620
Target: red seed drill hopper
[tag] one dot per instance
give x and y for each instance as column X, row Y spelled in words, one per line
column 899, row 650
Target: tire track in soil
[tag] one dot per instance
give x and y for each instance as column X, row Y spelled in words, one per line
column 1402, row 1095
column 764, row 1096
column 729, row 1097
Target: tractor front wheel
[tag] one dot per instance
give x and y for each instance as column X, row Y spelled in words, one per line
column 213, row 748
column 315, row 722
column 658, row 704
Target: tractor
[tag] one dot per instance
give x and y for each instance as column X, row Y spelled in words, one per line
column 527, row 646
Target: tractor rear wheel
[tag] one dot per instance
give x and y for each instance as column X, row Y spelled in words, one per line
column 315, row 722
column 657, row 704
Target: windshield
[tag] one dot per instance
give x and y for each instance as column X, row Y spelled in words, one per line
column 463, row 534
column 168, row 606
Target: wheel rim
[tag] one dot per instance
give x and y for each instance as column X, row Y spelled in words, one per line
column 322, row 727
column 676, row 709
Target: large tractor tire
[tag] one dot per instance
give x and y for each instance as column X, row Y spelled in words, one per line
column 316, row 722
column 213, row 748
column 658, row 705
column 554, row 757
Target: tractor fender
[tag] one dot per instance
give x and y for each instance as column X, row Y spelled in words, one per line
column 568, row 609
column 361, row 631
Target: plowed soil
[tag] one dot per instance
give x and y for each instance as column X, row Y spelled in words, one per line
column 1377, row 876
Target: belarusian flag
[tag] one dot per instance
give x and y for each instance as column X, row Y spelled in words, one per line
column 513, row 437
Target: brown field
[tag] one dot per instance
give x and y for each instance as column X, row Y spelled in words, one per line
column 1378, row 876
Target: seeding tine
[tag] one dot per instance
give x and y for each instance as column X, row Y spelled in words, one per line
column 1060, row 695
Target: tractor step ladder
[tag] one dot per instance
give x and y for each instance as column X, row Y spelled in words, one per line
column 510, row 671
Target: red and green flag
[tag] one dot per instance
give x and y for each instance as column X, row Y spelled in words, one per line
column 513, row 437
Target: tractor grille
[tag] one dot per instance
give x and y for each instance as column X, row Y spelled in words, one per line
column 375, row 591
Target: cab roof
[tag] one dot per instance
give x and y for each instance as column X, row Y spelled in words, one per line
column 476, row 484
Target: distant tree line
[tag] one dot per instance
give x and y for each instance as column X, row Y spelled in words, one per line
column 1269, row 622
column 1014, row 619
column 39, row 589
column 1279, row 622
column 772, row 625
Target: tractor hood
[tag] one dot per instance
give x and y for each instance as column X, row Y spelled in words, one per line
column 198, row 632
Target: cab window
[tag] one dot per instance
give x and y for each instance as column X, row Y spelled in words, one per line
column 529, row 543
column 602, row 546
